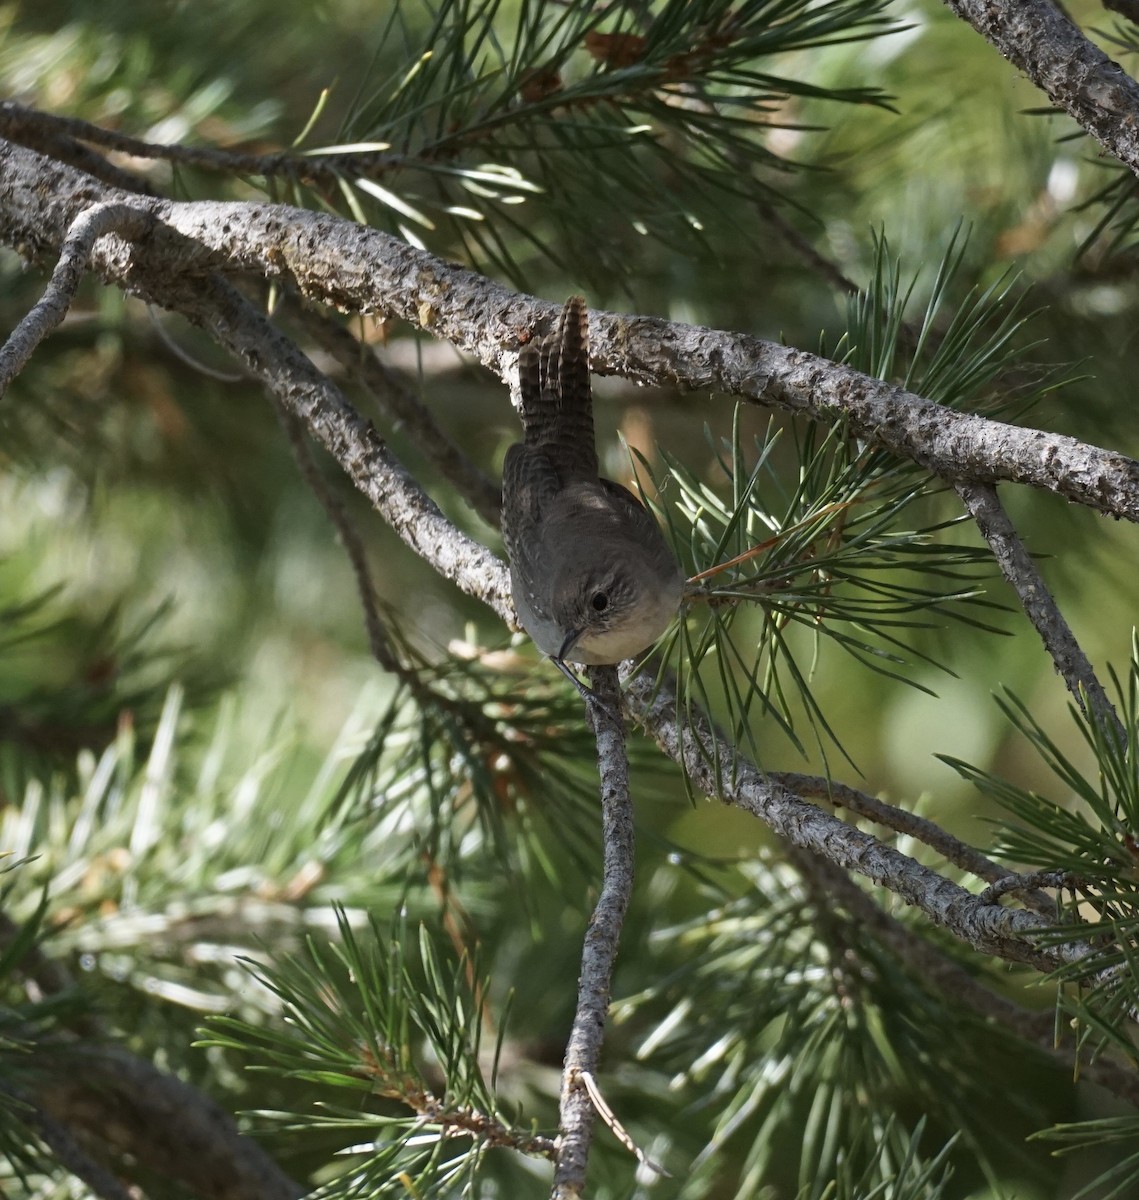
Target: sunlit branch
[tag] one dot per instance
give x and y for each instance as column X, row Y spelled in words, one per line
column 599, row 952
column 93, row 223
column 960, row 853
column 338, row 262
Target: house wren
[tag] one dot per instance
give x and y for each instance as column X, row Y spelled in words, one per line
column 593, row 579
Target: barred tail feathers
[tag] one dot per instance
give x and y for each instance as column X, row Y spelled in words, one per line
column 557, row 401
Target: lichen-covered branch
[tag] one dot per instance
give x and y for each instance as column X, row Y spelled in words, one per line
column 1041, row 609
column 351, row 267
column 1040, row 39
column 599, row 952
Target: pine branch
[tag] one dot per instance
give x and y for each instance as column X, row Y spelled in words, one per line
column 599, row 953
column 1038, row 38
column 719, row 771
column 1041, row 609
column 62, row 138
column 903, row 821
column 480, row 118
column 377, row 1019
column 337, row 262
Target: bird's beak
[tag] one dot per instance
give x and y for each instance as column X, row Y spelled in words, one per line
column 568, row 644
column 559, row 661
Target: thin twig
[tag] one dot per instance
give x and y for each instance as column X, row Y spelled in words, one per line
column 185, row 357
column 29, row 126
column 960, row 853
column 613, row 1124
column 123, row 219
column 1023, row 883
column 1017, row 567
column 49, row 140
column 482, row 1127
column 825, row 267
column 599, row 952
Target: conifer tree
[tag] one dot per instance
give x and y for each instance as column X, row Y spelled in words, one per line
column 317, row 879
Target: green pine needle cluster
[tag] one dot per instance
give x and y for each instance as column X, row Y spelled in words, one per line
column 488, row 138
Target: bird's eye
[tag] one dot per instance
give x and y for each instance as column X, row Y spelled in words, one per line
column 599, row 601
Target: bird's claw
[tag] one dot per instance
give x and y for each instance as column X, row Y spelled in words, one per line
column 587, row 693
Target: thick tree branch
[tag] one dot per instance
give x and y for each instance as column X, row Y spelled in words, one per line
column 351, row 267
column 100, row 1102
column 1074, row 73
column 599, row 952
column 45, row 976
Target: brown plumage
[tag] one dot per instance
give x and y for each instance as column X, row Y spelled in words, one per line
column 593, row 579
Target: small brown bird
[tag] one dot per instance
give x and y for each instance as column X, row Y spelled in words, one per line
column 593, row 579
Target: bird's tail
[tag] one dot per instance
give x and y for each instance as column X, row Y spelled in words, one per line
column 557, row 401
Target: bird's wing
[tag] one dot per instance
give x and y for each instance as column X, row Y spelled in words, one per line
column 628, row 504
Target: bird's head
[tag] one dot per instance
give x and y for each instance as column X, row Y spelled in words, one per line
column 616, row 607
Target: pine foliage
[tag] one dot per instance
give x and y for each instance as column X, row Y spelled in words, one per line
column 349, row 903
